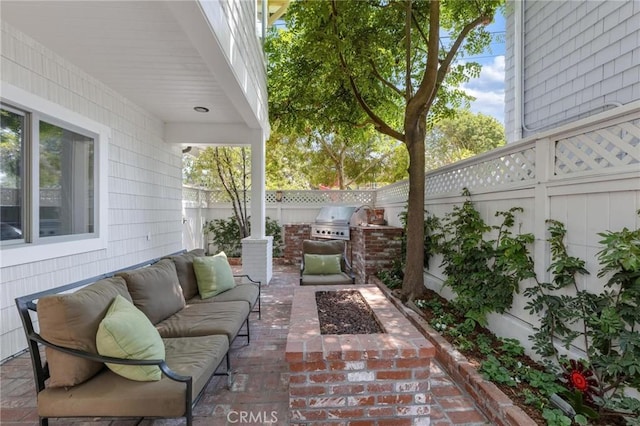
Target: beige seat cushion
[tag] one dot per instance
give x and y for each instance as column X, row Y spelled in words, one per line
column 186, row 275
column 326, row 279
column 240, row 293
column 72, row 320
column 205, row 319
column 108, row 394
column 155, row 290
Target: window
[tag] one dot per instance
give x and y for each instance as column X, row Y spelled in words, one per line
column 66, row 181
column 13, row 127
column 52, row 183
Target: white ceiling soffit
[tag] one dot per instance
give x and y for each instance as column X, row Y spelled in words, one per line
column 138, row 48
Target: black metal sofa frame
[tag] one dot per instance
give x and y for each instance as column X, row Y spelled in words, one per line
column 28, row 304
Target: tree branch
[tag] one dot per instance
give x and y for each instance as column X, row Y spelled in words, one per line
column 428, row 88
column 229, row 188
column 371, row 165
column 407, row 53
column 442, row 72
column 379, row 123
column 422, row 34
column 387, row 83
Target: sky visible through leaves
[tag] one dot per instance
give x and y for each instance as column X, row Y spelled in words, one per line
column 488, row 89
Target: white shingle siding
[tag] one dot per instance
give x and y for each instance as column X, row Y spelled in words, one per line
column 145, row 193
column 240, row 15
column 580, row 58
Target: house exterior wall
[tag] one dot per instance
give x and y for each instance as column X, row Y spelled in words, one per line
column 144, row 178
column 579, row 59
column 240, row 15
column 234, row 24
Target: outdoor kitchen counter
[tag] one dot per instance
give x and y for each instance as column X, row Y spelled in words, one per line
column 373, row 248
column 369, row 249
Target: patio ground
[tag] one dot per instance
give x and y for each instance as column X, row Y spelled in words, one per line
column 260, row 389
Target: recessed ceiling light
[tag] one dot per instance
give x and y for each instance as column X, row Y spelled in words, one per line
column 201, row 109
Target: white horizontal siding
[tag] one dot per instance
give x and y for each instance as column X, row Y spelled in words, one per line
column 145, row 195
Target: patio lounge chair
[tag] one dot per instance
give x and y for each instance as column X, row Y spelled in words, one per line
column 324, row 262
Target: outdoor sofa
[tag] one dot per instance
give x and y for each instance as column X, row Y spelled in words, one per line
column 138, row 342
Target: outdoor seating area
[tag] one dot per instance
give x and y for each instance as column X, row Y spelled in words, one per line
column 163, row 328
column 259, row 393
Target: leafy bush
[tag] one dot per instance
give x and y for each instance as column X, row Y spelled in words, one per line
column 484, row 274
column 225, row 234
column 607, row 324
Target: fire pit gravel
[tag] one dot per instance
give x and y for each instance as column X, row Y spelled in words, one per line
column 345, row 312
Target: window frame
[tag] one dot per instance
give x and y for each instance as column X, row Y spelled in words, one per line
column 50, row 247
column 26, row 154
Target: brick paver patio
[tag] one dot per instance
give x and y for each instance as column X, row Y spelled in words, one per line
column 259, row 394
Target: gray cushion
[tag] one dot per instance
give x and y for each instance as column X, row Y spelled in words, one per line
column 186, row 275
column 155, row 290
column 323, row 247
column 240, row 293
column 72, row 320
column 326, row 279
column 204, row 319
column 108, row 394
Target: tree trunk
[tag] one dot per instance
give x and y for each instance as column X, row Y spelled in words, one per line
column 415, row 131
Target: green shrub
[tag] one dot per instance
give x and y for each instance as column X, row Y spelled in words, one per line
column 225, row 234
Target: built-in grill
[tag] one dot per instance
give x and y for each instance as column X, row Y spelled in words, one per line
column 333, row 223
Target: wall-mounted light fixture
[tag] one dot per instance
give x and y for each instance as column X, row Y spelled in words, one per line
column 279, row 196
column 201, row 109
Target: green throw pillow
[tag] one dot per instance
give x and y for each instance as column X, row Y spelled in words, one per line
column 213, row 274
column 126, row 332
column 322, row 264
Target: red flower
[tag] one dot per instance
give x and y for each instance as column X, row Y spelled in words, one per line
column 579, row 377
column 579, row 381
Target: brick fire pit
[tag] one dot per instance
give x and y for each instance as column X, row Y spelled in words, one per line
column 373, row 377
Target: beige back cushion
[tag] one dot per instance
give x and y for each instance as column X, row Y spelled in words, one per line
column 323, row 247
column 155, row 290
column 72, row 320
column 186, row 274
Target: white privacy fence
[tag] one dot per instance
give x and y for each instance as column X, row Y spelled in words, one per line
column 586, row 175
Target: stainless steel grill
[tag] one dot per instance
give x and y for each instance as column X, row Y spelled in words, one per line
column 333, row 223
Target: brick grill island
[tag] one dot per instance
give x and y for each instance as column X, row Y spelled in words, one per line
column 376, row 378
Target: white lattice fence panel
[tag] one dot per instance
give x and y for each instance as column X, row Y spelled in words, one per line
column 394, row 193
column 324, row 197
column 205, row 198
column 511, row 168
column 190, row 195
column 613, row 146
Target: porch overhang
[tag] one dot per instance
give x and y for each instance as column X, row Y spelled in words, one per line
column 165, row 56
